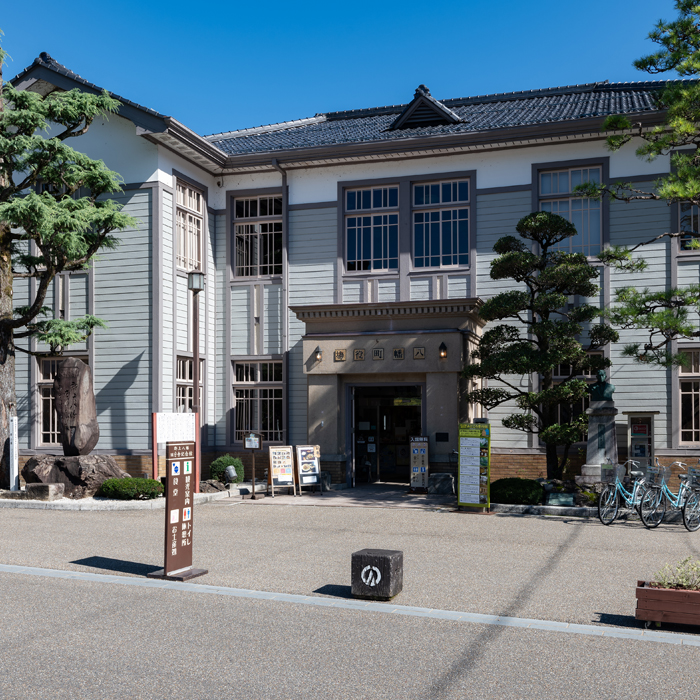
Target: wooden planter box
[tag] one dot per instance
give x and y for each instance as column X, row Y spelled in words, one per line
column 667, row 605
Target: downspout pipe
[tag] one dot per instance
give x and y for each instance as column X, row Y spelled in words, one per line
column 285, row 289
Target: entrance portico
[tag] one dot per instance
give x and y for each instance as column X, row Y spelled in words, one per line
column 380, row 373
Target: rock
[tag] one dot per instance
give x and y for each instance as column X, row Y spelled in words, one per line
column 211, row 486
column 45, row 492
column 441, row 483
column 82, row 475
column 75, row 406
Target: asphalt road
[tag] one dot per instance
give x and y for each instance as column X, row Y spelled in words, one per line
column 80, row 639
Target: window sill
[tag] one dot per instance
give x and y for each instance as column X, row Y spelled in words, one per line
column 260, row 278
column 424, row 271
column 369, row 274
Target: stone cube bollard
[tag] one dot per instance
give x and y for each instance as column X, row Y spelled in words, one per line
column 377, row 573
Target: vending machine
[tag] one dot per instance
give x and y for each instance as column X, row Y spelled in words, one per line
column 640, row 445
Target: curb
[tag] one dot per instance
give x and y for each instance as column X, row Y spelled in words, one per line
column 569, row 511
column 106, row 504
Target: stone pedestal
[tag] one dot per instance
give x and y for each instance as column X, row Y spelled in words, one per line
column 602, row 440
column 377, row 573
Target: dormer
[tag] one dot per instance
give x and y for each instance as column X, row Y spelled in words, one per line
column 424, row 110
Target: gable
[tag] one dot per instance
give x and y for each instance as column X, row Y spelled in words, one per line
column 424, row 110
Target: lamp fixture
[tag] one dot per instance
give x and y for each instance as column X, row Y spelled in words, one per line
column 318, row 354
column 195, row 281
column 443, row 350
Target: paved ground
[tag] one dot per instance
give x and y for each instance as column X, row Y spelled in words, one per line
column 81, row 639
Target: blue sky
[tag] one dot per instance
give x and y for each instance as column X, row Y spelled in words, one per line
column 218, row 66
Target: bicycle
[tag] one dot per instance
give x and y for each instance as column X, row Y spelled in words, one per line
column 691, row 507
column 657, row 494
column 609, row 501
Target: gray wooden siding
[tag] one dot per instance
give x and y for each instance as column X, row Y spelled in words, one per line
column 221, row 291
column 168, row 330
column 498, row 215
column 78, row 302
column 352, row 292
column 458, row 287
column 211, row 349
column 273, row 314
column 387, row 290
column 182, row 339
column 641, row 388
column 313, row 251
column 23, row 363
column 241, row 341
column 420, row 289
column 122, row 371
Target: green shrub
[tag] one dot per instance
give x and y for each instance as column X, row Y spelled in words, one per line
column 218, row 468
column 131, row 489
column 516, row 491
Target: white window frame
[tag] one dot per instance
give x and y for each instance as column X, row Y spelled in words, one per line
column 444, row 204
column 251, row 397
column 372, row 208
column 692, row 218
column 258, row 236
column 189, row 226
column 690, row 376
column 554, row 201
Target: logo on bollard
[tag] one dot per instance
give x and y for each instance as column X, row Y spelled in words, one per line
column 370, row 575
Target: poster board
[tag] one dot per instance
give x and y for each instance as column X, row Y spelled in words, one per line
column 474, row 486
column 281, row 472
column 309, row 465
column 419, row 462
column 175, row 427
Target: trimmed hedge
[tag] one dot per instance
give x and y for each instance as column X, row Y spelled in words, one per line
column 217, row 468
column 516, row 491
column 131, row 489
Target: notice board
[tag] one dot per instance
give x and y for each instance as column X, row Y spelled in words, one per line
column 309, row 464
column 419, row 462
column 474, row 487
column 281, row 473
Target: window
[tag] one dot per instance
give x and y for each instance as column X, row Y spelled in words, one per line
column 372, row 237
column 441, row 224
column 584, row 214
column 48, row 418
column 184, row 384
column 190, row 226
column 258, row 236
column 566, row 414
column 690, row 397
column 258, row 400
column 689, row 218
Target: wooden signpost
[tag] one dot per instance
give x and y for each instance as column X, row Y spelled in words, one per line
column 179, row 513
column 281, row 472
column 309, row 466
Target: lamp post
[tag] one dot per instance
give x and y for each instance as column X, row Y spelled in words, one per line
column 195, row 283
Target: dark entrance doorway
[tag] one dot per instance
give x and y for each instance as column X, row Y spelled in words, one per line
column 385, row 417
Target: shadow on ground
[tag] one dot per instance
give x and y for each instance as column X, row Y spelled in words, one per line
column 124, row 567
column 335, row 591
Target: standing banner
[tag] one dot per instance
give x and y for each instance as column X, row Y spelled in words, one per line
column 281, row 472
column 179, row 513
column 474, row 487
column 309, row 465
column 419, row 462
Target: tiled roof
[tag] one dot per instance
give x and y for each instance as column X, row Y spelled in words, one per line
column 480, row 113
column 47, row 61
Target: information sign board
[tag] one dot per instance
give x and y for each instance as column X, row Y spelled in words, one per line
column 175, row 427
column 179, row 506
column 474, row 488
column 281, row 473
column 309, row 464
column 252, row 441
column 419, row 462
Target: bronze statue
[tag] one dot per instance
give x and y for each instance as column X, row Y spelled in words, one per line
column 602, row 390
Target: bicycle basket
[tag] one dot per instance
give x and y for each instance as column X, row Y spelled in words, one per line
column 694, row 478
column 609, row 473
column 657, row 475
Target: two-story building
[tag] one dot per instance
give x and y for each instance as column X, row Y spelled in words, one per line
column 346, row 256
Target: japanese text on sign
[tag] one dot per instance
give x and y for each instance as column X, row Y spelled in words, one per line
column 474, row 465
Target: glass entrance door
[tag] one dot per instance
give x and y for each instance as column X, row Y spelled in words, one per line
column 386, row 417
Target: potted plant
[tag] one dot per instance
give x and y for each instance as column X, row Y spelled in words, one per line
column 673, row 595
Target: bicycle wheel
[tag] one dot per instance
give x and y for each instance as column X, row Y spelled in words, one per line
column 608, row 505
column 652, row 507
column 691, row 512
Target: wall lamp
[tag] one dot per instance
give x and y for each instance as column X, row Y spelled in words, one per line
column 443, row 350
column 318, row 354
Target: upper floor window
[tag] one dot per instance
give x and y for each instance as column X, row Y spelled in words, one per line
column 441, row 224
column 184, row 386
column 372, row 238
column 689, row 386
column 258, row 236
column 555, row 188
column 190, row 226
column 689, row 218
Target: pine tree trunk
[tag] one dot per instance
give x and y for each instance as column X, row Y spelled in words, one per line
column 553, row 470
column 8, row 401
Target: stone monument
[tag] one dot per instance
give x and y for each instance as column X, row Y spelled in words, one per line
column 81, row 473
column 602, row 436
